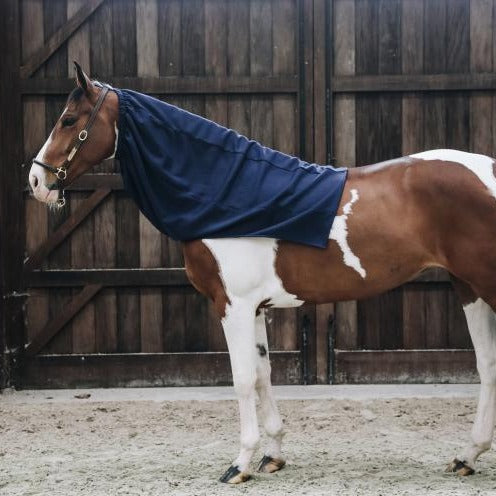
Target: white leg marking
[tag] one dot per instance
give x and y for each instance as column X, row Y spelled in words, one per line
column 270, row 415
column 482, row 326
column 339, row 233
column 480, row 165
column 239, row 329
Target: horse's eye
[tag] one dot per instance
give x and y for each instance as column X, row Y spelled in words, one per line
column 69, row 121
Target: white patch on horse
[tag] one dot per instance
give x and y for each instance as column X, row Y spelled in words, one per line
column 247, row 268
column 116, row 141
column 339, row 233
column 480, row 165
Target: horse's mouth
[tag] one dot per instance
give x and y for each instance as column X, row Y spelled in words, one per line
column 50, row 197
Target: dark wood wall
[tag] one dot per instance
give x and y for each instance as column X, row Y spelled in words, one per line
column 410, row 75
column 357, row 81
column 237, row 63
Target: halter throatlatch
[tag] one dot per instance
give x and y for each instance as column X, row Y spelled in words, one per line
column 61, row 171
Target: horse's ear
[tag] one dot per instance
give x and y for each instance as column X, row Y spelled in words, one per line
column 83, row 81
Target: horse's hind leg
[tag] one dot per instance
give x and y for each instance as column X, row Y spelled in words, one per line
column 272, row 459
column 481, row 322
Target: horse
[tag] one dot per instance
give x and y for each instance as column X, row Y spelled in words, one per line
column 436, row 208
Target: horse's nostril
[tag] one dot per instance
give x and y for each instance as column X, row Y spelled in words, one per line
column 35, row 182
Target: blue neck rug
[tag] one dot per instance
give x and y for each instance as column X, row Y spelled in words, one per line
column 194, row 179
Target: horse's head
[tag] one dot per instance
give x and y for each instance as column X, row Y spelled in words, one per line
column 84, row 135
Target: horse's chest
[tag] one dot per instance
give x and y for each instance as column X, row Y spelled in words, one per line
column 247, row 269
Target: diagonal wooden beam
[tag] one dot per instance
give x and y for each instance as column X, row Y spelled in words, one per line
column 54, row 240
column 59, row 37
column 67, row 313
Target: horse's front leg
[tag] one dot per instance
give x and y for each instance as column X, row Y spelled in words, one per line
column 239, row 329
column 272, row 459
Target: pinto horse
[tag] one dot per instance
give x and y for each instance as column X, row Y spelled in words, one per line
column 396, row 218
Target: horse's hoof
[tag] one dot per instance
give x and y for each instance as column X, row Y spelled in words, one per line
column 234, row 476
column 269, row 464
column 460, row 468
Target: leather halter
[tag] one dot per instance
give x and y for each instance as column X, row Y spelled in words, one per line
column 61, row 171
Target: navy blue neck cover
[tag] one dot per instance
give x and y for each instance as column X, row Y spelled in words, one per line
column 194, row 179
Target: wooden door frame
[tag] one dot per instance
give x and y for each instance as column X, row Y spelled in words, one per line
column 11, row 200
column 120, row 368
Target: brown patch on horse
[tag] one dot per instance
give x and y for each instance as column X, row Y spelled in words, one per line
column 401, row 223
column 203, row 272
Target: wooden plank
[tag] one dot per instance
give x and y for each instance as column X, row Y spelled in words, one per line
column 64, row 316
column 82, row 256
column 458, row 36
column 195, row 304
column 274, row 84
column 102, row 61
column 457, row 61
column 57, row 39
column 413, row 82
column 458, row 334
column 369, row 143
column 367, row 37
column 402, row 366
column 151, row 277
column 436, row 314
column 169, row 38
column 141, row 370
column 34, row 126
column 57, row 237
column 238, row 63
column 151, row 312
column 481, row 60
column 82, row 240
column 344, row 145
column 55, row 16
column 11, row 211
column 390, row 121
column 282, row 323
column 127, row 215
column 216, row 109
column 435, row 37
column 90, row 182
column 412, row 40
column 322, row 130
column 102, row 65
column 178, row 85
column 193, row 38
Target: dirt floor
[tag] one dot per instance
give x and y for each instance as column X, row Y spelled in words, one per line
column 333, row 447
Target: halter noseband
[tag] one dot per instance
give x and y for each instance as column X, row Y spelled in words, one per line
column 61, row 171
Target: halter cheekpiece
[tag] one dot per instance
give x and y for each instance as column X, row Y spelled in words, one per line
column 61, row 171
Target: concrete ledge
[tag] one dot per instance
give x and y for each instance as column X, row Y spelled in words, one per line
column 355, row 392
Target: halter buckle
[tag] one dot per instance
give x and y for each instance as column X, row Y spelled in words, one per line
column 61, row 201
column 83, row 135
column 61, row 173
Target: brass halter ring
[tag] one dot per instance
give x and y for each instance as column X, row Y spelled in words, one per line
column 61, row 173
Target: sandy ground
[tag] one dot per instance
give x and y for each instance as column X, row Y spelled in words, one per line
column 333, row 447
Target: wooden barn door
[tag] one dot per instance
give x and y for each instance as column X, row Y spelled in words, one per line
column 409, row 76
column 109, row 303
